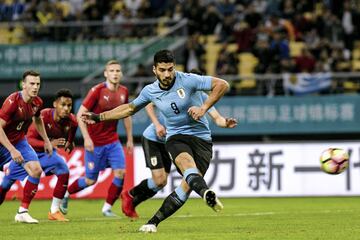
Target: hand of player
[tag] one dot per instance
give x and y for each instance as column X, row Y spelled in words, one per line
column 196, row 112
column 58, row 142
column 230, row 122
column 129, row 146
column 90, row 117
column 48, row 147
column 69, row 147
column 160, row 131
column 16, row 156
column 89, row 145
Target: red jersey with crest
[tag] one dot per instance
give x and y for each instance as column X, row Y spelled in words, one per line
column 100, row 99
column 65, row 128
column 18, row 115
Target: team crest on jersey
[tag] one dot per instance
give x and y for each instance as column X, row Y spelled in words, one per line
column 181, row 92
column 153, row 160
column 91, row 165
column 35, row 108
column 122, row 98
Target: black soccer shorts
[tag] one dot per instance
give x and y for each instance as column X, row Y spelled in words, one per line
column 198, row 148
column 156, row 156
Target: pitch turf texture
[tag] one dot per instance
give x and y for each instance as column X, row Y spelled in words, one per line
column 243, row 218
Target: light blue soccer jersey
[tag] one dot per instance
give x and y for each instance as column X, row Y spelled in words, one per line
column 150, row 131
column 175, row 102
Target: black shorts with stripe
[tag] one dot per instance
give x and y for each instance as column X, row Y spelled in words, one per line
column 199, row 149
column 156, row 156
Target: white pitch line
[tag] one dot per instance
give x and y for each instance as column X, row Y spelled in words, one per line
column 214, row 215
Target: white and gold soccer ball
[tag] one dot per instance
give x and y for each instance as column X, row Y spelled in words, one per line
column 334, row 160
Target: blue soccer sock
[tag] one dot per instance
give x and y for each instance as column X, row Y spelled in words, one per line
column 195, row 181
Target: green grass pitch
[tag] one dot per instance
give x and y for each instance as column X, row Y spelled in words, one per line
column 242, row 218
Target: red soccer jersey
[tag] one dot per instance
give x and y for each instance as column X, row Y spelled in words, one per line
column 18, row 115
column 100, row 99
column 65, row 128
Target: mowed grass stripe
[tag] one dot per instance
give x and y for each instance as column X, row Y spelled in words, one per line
column 243, row 218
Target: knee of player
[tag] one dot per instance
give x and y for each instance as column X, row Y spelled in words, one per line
column 184, row 158
column 119, row 173
column 160, row 181
column 90, row 182
column 36, row 172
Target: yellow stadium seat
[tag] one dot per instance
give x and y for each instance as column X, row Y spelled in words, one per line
column 247, row 63
column 233, row 47
column 180, row 67
column 212, row 52
column 356, row 54
column 295, row 48
column 356, row 65
column 211, row 38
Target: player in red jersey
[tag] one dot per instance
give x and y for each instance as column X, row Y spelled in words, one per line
column 101, row 141
column 18, row 111
column 60, row 125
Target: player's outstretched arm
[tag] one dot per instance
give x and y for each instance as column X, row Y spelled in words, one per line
column 119, row 112
column 221, row 121
column 39, row 124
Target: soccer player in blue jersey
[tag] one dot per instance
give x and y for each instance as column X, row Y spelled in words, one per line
column 157, row 158
column 188, row 138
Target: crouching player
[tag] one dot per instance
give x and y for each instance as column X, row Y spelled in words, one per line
column 60, row 126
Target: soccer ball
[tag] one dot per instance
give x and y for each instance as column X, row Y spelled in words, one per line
column 334, row 160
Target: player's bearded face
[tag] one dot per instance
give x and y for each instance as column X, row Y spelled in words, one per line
column 165, row 73
column 31, row 86
column 113, row 73
column 63, row 106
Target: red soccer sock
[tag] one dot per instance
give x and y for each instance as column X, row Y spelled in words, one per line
column 61, row 185
column 77, row 186
column 3, row 194
column 30, row 190
column 113, row 193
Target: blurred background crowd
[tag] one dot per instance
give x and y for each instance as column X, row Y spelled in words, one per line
column 225, row 37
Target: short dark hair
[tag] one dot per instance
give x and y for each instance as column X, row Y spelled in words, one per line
column 64, row 92
column 164, row 56
column 30, row 73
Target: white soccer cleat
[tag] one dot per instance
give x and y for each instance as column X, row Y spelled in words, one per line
column 148, row 228
column 212, row 201
column 109, row 213
column 24, row 217
column 64, row 205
